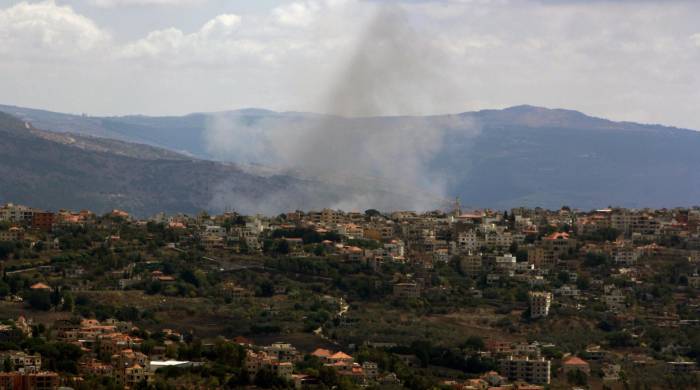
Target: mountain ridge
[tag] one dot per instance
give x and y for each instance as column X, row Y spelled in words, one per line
column 48, row 170
column 519, row 156
column 22, row 112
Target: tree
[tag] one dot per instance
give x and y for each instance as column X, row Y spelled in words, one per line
column 328, row 376
column 594, row 259
column 621, row 340
column 55, row 297
column 267, row 379
column 577, row 378
column 474, row 343
column 4, row 289
column 39, row 299
column 372, row 213
column 243, row 247
column 6, row 249
column 39, row 246
column 68, row 302
column 282, row 247
column 7, row 365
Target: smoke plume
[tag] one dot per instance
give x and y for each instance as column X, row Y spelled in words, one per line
column 363, row 151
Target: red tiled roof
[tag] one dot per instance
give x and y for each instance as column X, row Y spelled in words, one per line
column 558, row 236
column 341, row 355
column 320, row 352
column 575, row 361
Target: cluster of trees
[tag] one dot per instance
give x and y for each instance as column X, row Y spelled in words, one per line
column 18, row 249
column 57, row 298
column 602, row 235
column 55, row 356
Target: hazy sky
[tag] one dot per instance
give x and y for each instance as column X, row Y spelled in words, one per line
column 625, row 60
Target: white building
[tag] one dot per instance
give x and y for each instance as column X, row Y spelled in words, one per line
column 16, row 213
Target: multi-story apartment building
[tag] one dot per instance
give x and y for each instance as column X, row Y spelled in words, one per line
column 506, row 263
column 625, row 255
column 43, row 221
column 471, row 264
column 539, row 303
column 629, row 222
column 546, row 254
column 498, row 239
column 469, row 241
column 16, row 213
column 536, row 371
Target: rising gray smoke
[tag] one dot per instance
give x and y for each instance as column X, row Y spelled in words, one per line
column 366, row 161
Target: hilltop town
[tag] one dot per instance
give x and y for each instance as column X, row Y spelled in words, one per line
column 521, row 299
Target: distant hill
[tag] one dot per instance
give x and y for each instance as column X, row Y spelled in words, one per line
column 522, row 155
column 61, row 170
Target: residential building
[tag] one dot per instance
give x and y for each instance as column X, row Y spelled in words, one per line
column 29, row 380
column 537, row 371
column 539, row 303
column 43, row 221
column 409, row 290
column 575, row 363
column 471, row 264
column 22, row 359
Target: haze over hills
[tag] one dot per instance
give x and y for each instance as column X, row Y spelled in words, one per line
column 59, row 170
column 520, row 156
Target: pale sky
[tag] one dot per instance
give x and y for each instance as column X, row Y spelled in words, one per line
column 623, row 60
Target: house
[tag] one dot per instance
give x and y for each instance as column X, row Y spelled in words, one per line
column 611, row 372
column 40, row 287
column 533, row 349
column 681, row 367
column 282, row 351
column 22, row 359
column 131, row 367
column 370, row 369
column 567, row 290
column 95, row 367
column 615, row 299
column 340, row 358
column 12, row 234
column 575, row 363
column 243, row 341
column 497, row 346
column 595, row 353
column 322, row 354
